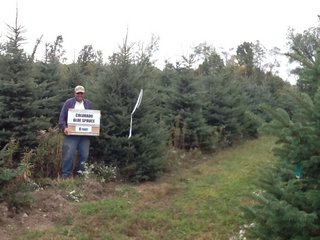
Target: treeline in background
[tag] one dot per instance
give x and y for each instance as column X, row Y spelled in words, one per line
column 205, row 102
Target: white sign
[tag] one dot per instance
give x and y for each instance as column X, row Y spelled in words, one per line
column 84, row 117
column 84, row 122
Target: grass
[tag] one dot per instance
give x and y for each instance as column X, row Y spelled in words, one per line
column 198, row 202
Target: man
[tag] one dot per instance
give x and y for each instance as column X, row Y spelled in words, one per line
column 72, row 143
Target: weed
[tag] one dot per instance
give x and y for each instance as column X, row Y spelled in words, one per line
column 74, row 196
column 101, row 171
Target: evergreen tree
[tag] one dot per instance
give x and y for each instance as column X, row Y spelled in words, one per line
column 304, row 50
column 287, row 202
column 225, row 107
column 74, row 77
column 88, row 64
column 18, row 111
column 140, row 157
column 267, row 89
column 50, row 91
column 86, row 70
column 189, row 129
column 165, row 91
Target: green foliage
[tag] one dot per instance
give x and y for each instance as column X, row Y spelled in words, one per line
column 18, row 196
column 17, row 109
column 48, row 81
column 261, row 90
column 285, row 210
column 212, row 63
column 8, row 153
column 225, row 108
column 8, row 169
column 245, row 57
column 116, row 93
column 47, row 155
column 188, row 126
column 305, row 50
column 286, row 207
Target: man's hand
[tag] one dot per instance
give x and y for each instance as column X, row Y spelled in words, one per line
column 66, row 131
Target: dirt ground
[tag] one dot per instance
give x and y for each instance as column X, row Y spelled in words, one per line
column 50, row 205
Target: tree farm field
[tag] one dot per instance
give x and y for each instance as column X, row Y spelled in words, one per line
column 199, row 198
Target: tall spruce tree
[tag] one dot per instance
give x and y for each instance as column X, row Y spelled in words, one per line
column 50, row 91
column 223, row 100
column 117, row 88
column 263, row 90
column 225, row 107
column 165, row 92
column 188, row 126
column 18, row 112
column 287, row 202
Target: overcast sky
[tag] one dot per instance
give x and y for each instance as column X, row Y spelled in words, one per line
column 180, row 24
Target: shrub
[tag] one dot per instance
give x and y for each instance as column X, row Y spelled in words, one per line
column 47, row 156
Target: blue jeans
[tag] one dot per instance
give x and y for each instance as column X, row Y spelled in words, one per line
column 71, row 144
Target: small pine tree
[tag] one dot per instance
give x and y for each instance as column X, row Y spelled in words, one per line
column 8, row 169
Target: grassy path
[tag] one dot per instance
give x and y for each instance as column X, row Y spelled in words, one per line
column 200, row 202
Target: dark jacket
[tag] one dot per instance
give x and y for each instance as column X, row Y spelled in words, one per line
column 70, row 103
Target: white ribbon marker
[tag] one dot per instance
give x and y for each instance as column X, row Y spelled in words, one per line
column 135, row 107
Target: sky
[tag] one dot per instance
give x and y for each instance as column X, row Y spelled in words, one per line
column 179, row 24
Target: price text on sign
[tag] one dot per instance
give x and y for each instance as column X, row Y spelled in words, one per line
column 87, row 129
column 84, row 122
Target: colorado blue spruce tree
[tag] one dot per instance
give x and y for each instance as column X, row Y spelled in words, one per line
column 188, row 126
column 50, row 90
column 18, row 111
column 117, row 88
column 287, row 204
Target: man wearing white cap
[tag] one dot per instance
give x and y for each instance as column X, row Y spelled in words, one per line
column 72, row 143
